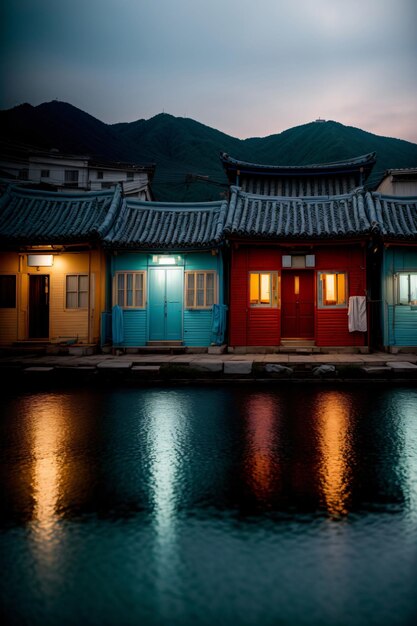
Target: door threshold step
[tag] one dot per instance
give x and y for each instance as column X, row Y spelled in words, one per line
column 164, row 343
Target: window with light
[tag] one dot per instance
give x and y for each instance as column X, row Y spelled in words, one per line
column 407, row 288
column 332, row 289
column 130, row 290
column 200, row 290
column 263, row 289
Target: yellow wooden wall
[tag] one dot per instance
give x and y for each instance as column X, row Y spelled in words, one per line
column 64, row 324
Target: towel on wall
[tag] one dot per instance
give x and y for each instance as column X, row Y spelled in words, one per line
column 357, row 314
column 117, row 325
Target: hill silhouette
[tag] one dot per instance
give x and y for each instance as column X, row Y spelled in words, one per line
column 186, row 152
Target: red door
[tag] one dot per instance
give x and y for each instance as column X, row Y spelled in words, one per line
column 297, row 305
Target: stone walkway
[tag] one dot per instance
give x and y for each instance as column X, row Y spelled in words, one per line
column 378, row 365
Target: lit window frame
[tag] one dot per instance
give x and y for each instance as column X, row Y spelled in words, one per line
column 77, row 291
column 123, row 302
column 192, row 293
column 320, row 303
column 410, row 301
column 274, row 299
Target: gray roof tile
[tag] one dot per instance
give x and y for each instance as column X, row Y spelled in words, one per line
column 151, row 225
column 270, row 217
column 38, row 217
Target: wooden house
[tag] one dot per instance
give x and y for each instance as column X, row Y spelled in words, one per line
column 166, row 274
column 399, row 182
column 320, row 179
column 395, row 222
column 298, row 270
column 52, row 269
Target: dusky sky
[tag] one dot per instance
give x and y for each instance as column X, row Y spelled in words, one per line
column 248, row 68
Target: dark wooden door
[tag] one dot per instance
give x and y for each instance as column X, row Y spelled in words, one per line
column 297, row 305
column 38, row 306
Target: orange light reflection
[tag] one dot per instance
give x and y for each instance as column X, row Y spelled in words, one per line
column 260, row 463
column 332, row 412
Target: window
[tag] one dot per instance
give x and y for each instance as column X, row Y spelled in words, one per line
column 23, row 174
column 76, row 294
column 71, row 178
column 263, row 289
column 100, row 175
column 199, row 290
column 44, row 173
column 332, row 289
column 7, row 291
column 129, row 175
column 407, row 288
column 130, row 290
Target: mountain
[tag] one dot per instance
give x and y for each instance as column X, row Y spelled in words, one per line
column 186, row 152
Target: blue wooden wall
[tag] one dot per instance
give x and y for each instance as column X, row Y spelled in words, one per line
column 399, row 320
column 196, row 323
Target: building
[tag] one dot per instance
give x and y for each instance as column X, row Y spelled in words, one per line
column 399, row 182
column 395, row 229
column 51, row 170
column 52, row 267
column 298, row 270
column 322, row 179
column 166, row 267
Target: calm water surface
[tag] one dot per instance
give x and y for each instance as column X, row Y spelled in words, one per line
column 209, row 506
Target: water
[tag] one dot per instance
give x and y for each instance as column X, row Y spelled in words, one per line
column 204, row 506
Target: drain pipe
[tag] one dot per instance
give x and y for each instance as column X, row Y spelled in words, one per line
column 89, row 298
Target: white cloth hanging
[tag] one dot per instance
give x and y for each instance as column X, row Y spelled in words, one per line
column 357, row 314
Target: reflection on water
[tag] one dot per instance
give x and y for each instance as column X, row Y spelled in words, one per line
column 331, row 411
column 195, row 505
column 262, row 460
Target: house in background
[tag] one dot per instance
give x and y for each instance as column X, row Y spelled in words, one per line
column 55, row 171
column 322, row 179
column 298, row 270
column 52, row 267
column 399, row 182
column 166, row 268
column 395, row 220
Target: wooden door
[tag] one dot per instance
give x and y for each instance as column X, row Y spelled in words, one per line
column 297, row 305
column 165, row 304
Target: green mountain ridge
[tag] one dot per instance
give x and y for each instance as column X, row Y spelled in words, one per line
column 186, row 152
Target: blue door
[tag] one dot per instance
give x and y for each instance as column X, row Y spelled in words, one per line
column 165, row 304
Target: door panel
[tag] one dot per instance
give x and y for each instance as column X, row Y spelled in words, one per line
column 165, row 304
column 38, row 306
column 297, row 305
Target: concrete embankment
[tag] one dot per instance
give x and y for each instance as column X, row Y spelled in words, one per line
column 22, row 371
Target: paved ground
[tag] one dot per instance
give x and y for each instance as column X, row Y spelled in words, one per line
column 162, row 368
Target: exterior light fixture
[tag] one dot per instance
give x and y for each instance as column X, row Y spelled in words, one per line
column 40, row 260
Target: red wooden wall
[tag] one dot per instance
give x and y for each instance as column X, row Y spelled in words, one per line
column 262, row 326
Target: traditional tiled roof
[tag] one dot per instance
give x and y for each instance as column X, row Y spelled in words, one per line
column 38, row 217
column 317, row 179
column 346, row 165
column 157, row 225
column 278, row 218
column 392, row 216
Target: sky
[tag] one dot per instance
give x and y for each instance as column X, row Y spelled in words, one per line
column 246, row 67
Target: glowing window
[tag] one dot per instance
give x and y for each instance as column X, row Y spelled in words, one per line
column 130, row 290
column 263, row 289
column 332, row 289
column 407, row 288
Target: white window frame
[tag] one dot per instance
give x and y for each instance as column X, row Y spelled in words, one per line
column 78, row 291
column 116, row 289
column 271, row 304
column 320, row 303
column 412, row 297
column 186, row 290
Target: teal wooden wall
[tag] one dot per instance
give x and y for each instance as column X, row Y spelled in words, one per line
column 399, row 320
column 196, row 323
